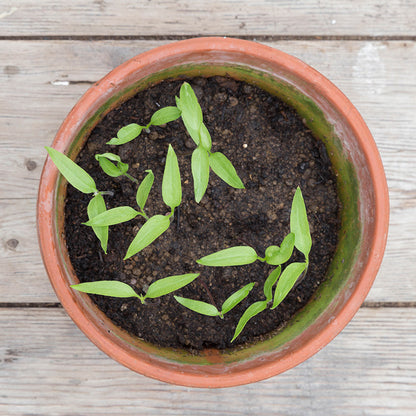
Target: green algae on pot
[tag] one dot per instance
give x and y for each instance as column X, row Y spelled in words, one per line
column 361, row 188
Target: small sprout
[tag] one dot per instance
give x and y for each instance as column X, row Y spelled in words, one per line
column 225, row 170
column 286, row 282
column 96, row 207
column 117, row 289
column 233, row 256
column 205, row 308
column 150, row 231
column 130, row 132
column 171, row 183
column 299, row 225
column 106, row 162
column 250, row 312
column 278, row 255
column 73, row 173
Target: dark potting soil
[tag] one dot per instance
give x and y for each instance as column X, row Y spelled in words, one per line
column 272, row 151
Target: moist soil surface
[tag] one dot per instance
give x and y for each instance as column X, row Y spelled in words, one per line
column 272, row 151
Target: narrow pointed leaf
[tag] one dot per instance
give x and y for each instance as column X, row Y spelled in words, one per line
column 198, row 306
column 205, row 138
column 73, row 173
column 165, row 115
column 152, row 229
column 191, row 112
column 225, row 170
column 278, row 255
column 107, row 288
column 126, row 134
column 200, row 172
column 250, row 312
column 95, row 207
column 144, row 189
column 299, row 224
column 171, row 182
column 113, row 216
column 270, row 281
column 286, row 282
column 169, row 284
column 233, row 256
column 236, row 298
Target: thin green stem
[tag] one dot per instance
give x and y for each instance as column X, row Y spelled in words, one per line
column 143, row 214
column 131, row 178
column 263, row 259
column 111, row 193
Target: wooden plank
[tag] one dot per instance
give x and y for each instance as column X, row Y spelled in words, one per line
column 378, row 77
column 49, row 367
column 201, row 17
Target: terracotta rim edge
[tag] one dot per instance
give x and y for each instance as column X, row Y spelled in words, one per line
column 351, row 306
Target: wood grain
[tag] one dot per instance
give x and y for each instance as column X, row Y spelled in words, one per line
column 201, row 17
column 378, row 77
column 48, row 367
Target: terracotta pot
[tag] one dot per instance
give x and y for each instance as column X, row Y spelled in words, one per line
column 361, row 187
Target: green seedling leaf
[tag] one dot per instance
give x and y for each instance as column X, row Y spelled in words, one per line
column 191, row 112
column 96, row 207
column 236, row 298
column 144, row 189
column 200, row 172
column 165, row 115
column 270, row 281
column 107, row 288
column 299, row 224
column 205, row 138
column 233, row 256
column 152, row 229
column 198, row 306
column 287, row 280
column 278, row 255
column 169, row 284
column 126, row 134
column 110, row 168
column 73, row 173
column 225, row 170
column 250, row 312
column 113, row 216
column 171, row 182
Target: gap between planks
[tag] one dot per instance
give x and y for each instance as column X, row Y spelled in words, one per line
column 258, row 38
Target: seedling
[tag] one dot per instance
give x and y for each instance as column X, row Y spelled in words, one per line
column 117, row 289
column 205, row 308
column 298, row 237
column 188, row 108
column 115, row 170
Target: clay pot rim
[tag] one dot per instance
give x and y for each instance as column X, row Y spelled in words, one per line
column 45, row 212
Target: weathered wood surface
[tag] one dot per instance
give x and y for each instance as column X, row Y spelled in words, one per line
column 378, row 77
column 204, row 17
column 50, row 52
column 49, row 368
